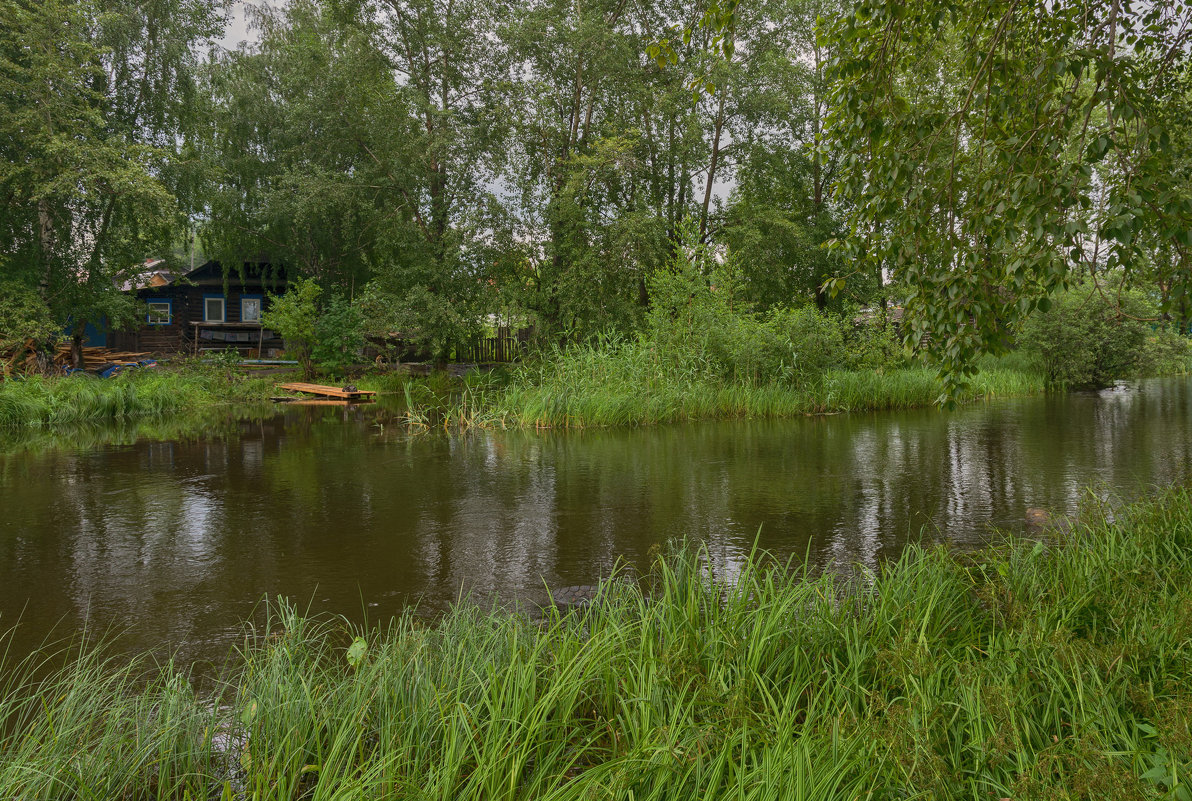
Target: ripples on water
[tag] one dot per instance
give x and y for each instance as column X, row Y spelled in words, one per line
column 179, row 540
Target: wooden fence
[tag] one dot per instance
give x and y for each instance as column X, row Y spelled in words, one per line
column 506, row 346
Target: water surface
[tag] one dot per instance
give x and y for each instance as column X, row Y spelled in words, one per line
column 178, row 541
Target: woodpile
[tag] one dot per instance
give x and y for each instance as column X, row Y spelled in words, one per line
column 26, row 360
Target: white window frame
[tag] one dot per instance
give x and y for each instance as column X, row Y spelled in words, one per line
column 223, row 309
column 169, row 318
column 250, row 299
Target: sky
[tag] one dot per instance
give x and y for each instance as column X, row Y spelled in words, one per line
column 237, row 30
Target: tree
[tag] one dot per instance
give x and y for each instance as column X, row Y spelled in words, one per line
column 611, row 152
column 350, row 144
column 95, row 105
column 23, row 316
column 781, row 212
column 592, row 185
column 1087, row 338
column 994, row 151
column 295, row 315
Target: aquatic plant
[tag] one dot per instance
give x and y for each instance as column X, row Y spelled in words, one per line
column 1032, row 669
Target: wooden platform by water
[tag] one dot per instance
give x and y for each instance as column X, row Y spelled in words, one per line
column 322, row 391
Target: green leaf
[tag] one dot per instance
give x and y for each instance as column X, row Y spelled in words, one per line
column 1097, row 149
column 357, row 652
column 249, row 714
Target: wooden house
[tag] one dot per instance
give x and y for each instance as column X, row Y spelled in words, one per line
column 205, row 310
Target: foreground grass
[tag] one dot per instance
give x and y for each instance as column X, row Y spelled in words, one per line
column 1026, row 671
column 38, row 401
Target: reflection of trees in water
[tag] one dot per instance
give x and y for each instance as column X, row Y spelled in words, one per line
column 184, row 537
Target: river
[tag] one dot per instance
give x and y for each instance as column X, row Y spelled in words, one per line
column 175, row 543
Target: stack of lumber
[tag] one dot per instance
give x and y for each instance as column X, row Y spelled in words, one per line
column 343, row 393
column 24, row 359
column 98, row 358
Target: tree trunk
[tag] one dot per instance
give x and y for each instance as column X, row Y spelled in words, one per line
column 76, row 345
column 713, row 163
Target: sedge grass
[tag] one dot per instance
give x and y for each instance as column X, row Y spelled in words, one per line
column 38, row 401
column 622, row 384
column 1056, row 669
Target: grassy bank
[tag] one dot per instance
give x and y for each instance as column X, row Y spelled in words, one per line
column 1025, row 671
column 621, row 384
column 562, row 401
column 38, row 401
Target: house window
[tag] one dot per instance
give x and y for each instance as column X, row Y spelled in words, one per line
column 250, row 309
column 213, row 308
column 161, row 312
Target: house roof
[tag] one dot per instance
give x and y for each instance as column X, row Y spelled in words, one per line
column 152, row 273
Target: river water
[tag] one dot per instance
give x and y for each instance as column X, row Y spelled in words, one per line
column 174, row 543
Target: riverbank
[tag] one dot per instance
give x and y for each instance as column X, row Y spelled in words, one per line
column 557, row 399
column 581, row 389
column 1027, row 670
column 38, row 401
column 620, row 386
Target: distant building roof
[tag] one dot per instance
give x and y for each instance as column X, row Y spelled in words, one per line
column 151, row 274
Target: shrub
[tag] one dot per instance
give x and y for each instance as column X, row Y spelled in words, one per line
column 24, row 316
column 699, row 326
column 328, row 334
column 874, row 345
column 1165, row 352
column 338, row 333
column 814, row 339
column 1086, row 339
column 295, row 315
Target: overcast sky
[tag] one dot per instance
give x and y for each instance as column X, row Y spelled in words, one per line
column 238, row 31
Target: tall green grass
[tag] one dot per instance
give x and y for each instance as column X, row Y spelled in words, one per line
column 1031, row 670
column 622, row 383
column 140, row 393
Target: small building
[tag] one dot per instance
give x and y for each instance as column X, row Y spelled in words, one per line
column 204, row 310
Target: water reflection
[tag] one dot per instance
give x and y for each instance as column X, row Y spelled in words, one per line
column 179, row 540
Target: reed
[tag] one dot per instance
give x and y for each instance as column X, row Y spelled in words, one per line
column 38, row 401
column 1051, row 669
column 622, row 383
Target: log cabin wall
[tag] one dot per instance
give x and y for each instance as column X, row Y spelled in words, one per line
column 186, row 297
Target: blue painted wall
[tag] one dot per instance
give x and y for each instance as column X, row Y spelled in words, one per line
column 94, row 335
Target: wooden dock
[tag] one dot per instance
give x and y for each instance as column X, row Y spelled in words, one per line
column 329, row 392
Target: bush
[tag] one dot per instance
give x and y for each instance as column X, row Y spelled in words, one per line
column 338, row 334
column 1086, row 339
column 813, row 339
column 875, row 345
column 699, row 326
column 24, row 316
column 1165, row 352
column 328, row 334
column 294, row 315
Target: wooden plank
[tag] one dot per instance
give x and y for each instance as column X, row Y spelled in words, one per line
column 318, row 402
column 328, row 392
